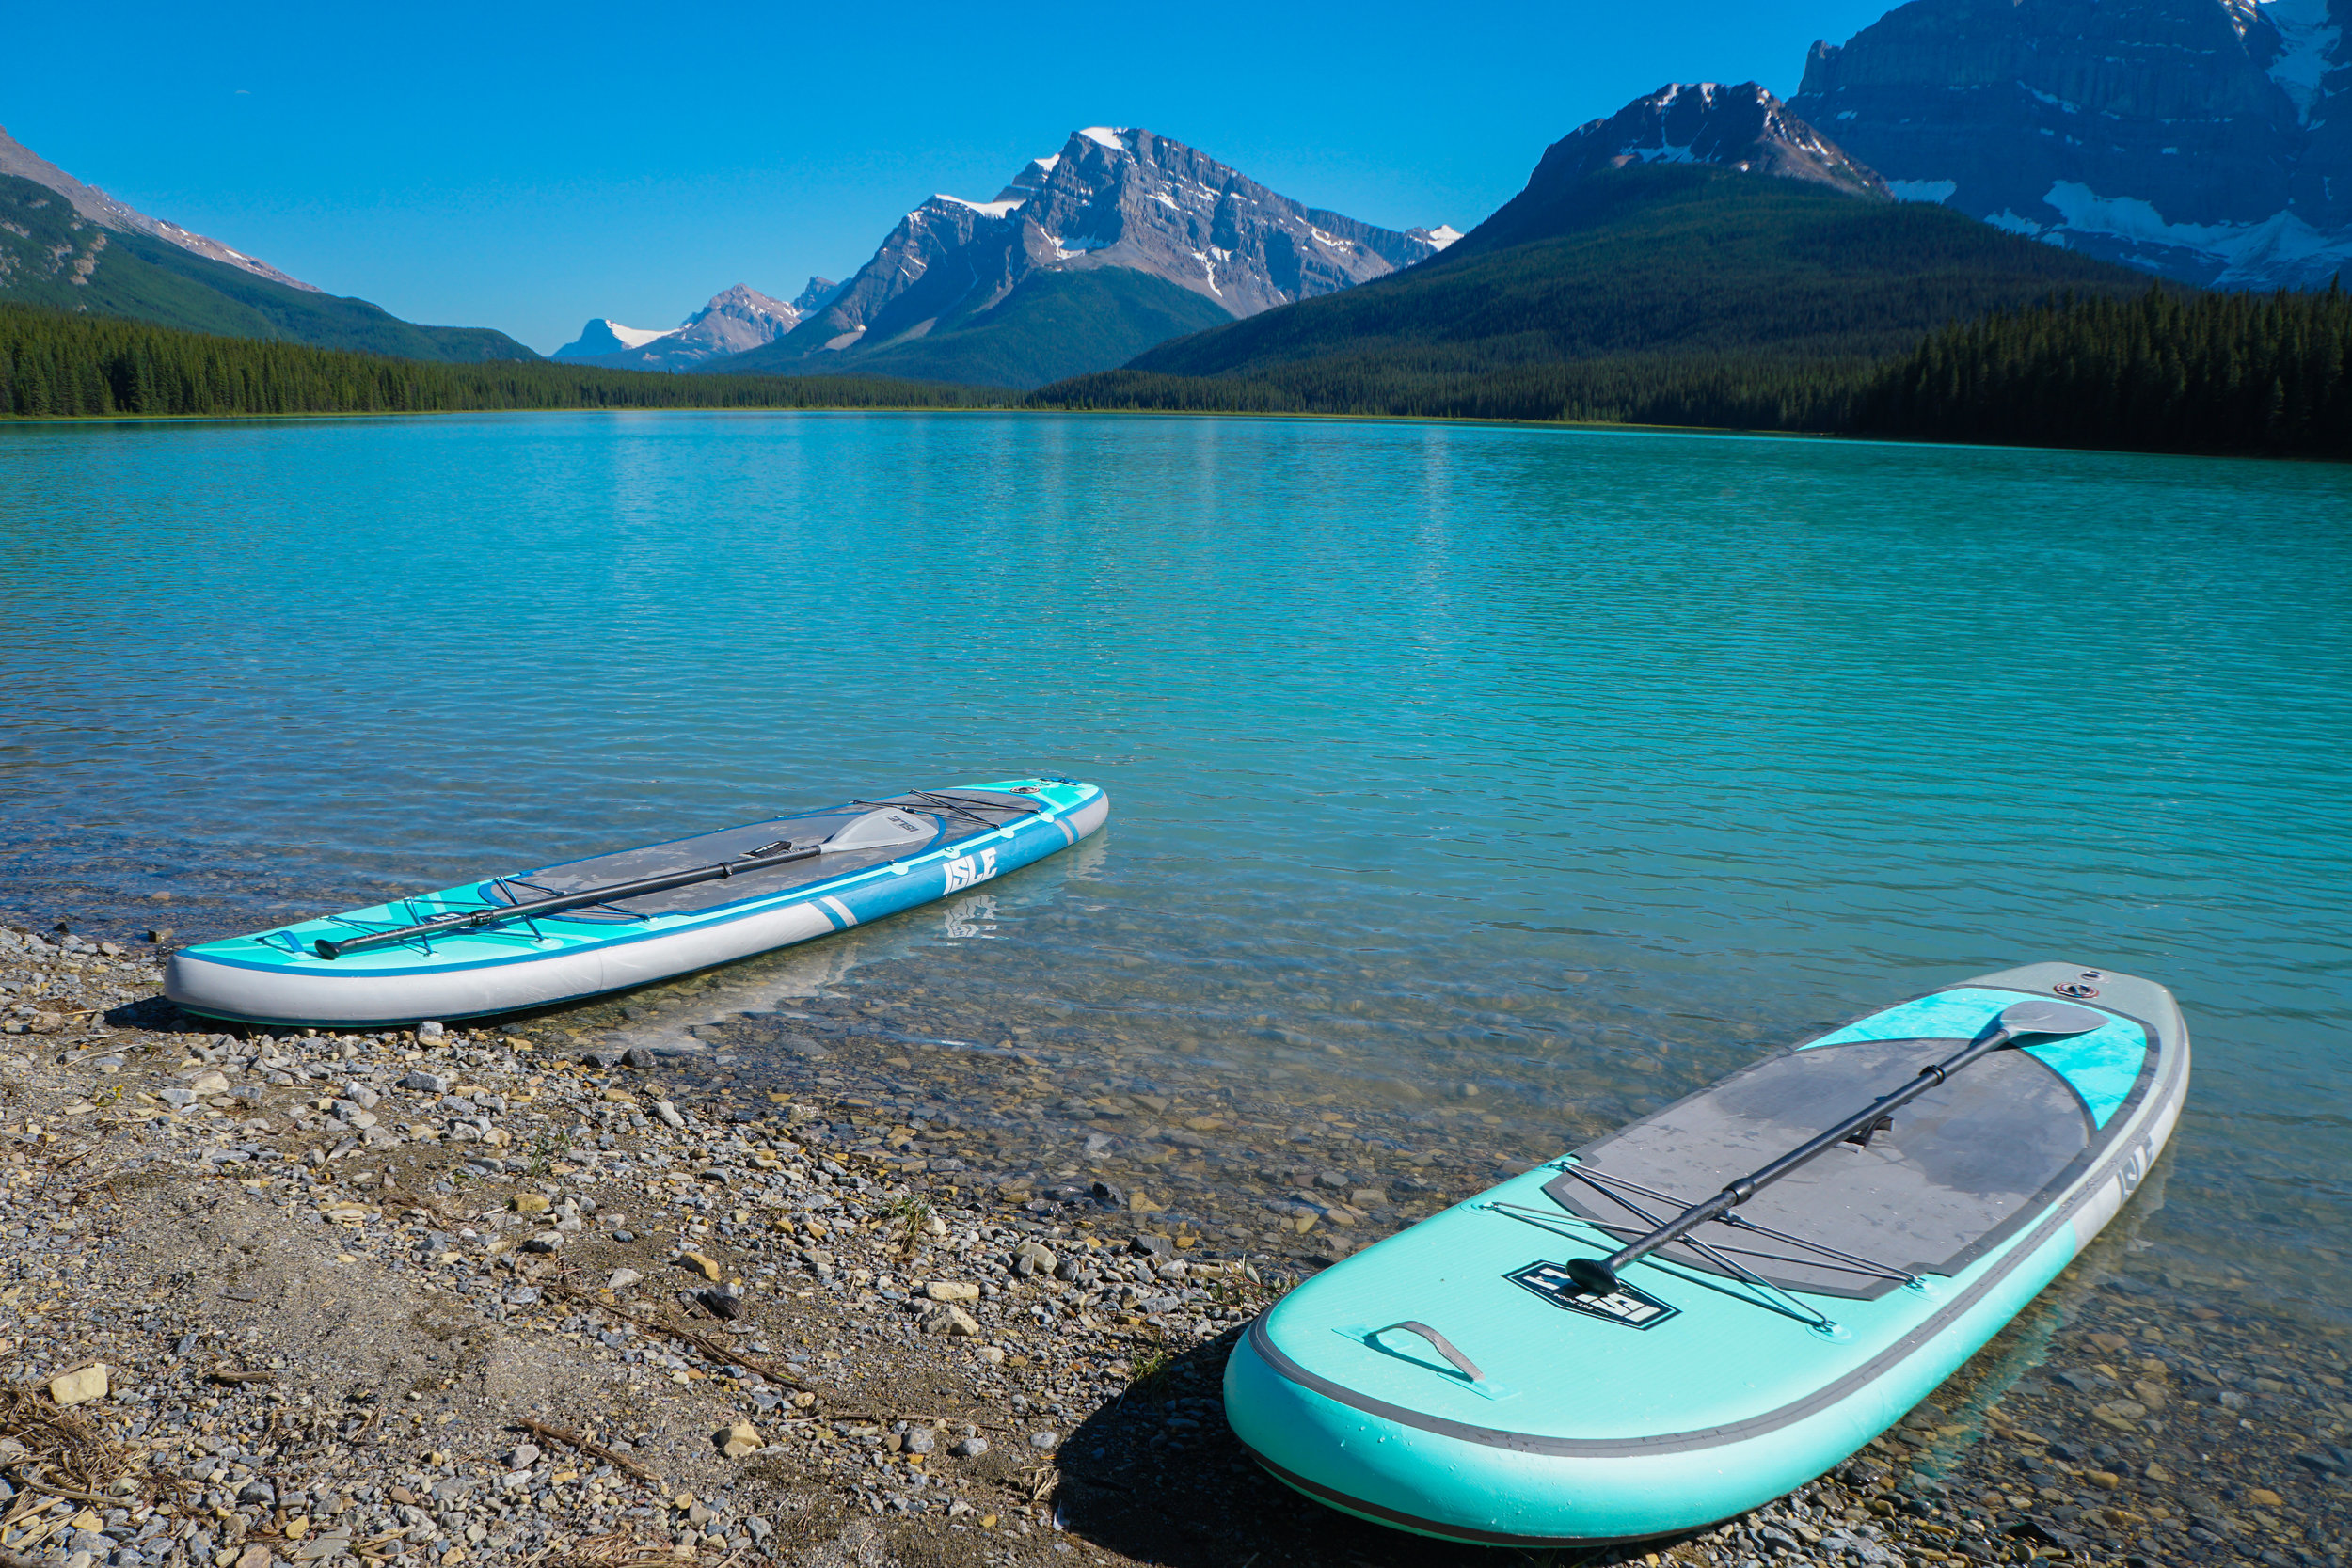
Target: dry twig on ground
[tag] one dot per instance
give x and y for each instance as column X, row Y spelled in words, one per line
column 589, row 1446
column 709, row 1347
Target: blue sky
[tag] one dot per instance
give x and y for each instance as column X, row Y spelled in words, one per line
column 528, row 165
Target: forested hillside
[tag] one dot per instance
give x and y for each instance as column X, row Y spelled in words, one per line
column 50, row 255
column 2268, row 374
column 56, row 364
column 1650, row 261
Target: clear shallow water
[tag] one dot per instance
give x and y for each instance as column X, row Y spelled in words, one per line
column 1578, row 765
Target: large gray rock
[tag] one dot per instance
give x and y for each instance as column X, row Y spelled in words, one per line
column 2207, row 140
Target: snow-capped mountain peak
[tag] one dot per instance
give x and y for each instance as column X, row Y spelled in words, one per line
column 735, row 321
column 1742, row 128
column 1114, row 196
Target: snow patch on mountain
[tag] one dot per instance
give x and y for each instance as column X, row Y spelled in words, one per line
column 1933, row 192
column 603, row 336
column 2281, row 250
column 2310, row 38
column 994, row 209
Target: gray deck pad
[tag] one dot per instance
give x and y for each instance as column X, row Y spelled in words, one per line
column 984, row 811
column 1961, row 1165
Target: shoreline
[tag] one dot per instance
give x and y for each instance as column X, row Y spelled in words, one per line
column 330, row 1277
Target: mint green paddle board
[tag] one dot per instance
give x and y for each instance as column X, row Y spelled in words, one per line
column 1453, row 1381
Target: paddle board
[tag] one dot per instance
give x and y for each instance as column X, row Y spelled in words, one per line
column 1455, row 1381
column 818, row 872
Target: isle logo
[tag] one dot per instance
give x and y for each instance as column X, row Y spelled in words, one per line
column 1625, row 1306
column 964, row 870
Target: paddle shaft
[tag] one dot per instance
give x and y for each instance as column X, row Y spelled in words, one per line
column 479, row 918
column 1601, row 1275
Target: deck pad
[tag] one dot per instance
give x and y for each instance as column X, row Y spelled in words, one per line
column 969, row 814
column 1958, row 1167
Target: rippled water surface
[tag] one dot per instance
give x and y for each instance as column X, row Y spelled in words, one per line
column 1574, row 767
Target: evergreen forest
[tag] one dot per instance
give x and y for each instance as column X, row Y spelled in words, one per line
column 56, row 364
column 2209, row 373
column 2162, row 371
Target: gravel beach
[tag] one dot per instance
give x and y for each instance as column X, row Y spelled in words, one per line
column 852, row 1285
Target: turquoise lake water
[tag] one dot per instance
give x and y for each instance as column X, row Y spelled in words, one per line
column 1583, row 765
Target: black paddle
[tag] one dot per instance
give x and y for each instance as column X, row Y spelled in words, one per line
column 1597, row 1276
column 474, row 919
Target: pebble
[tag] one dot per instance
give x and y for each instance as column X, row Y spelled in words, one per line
column 79, row 1388
column 944, row 1318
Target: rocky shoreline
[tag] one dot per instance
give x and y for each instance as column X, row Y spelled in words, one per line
column 531, row 1294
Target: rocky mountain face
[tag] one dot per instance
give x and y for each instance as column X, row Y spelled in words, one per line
column 818, row 295
column 1111, row 201
column 105, row 210
column 2206, row 140
column 1744, row 129
column 736, row 321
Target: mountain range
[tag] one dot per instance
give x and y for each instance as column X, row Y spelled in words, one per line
column 1121, row 240
column 2208, row 141
column 736, row 321
column 72, row 246
column 1953, row 157
column 1702, row 232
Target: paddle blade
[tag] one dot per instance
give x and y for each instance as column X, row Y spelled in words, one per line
column 2020, row 1019
column 885, row 829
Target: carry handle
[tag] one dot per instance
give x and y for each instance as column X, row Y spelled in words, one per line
column 1462, row 1364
